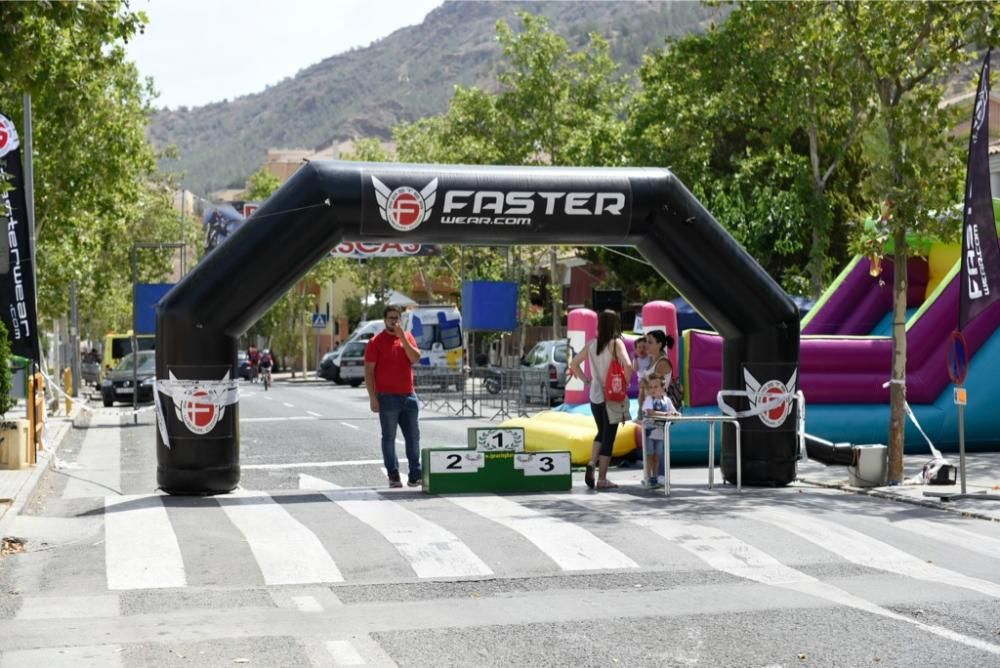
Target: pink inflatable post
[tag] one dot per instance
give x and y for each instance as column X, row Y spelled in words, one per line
column 581, row 326
column 633, row 384
column 662, row 316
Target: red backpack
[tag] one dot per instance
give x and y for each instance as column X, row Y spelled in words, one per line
column 615, row 383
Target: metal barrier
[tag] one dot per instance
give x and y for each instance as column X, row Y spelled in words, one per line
column 490, row 392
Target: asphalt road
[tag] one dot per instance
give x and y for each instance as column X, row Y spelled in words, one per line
column 315, row 563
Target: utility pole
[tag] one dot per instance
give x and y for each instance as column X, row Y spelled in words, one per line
column 555, row 292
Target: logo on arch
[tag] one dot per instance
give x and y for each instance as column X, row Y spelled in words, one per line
column 405, row 208
column 773, row 396
column 198, row 412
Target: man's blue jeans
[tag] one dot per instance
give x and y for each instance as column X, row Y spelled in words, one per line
column 401, row 410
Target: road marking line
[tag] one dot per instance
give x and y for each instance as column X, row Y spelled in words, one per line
column 286, row 551
column 568, row 545
column 352, row 426
column 727, row 553
column 140, row 548
column 277, row 419
column 106, row 656
column 68, row 607
column 307, row 465
column 431, row 550
column 97, row 469
column 343, row 653
column 967, row 540
column 862, row 549
column 287, row 405
column 311, row 482
column 314, row 414
column 307, row 604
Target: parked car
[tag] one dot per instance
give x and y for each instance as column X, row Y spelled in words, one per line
column 552, row 356
column 328, row 368
column 90, row 369
column 351, row 363
column 133, row 377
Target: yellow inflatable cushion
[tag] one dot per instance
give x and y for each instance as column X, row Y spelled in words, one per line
column 559, row 430
column 940, row 261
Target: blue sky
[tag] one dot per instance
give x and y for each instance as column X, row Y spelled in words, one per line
column 201, row 51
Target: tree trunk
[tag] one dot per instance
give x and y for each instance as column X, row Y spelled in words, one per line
column 897, row 389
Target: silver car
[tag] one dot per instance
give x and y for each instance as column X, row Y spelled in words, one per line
column 543, row 375
column 90, row 369
column 352, row 363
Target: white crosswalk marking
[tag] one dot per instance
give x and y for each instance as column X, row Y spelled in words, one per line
column 859, row 548
column 572, row 548
column 974, row 542
column 343, row 653
column 97, row 469
column 286, row 551
column 140, row 547
column 731, row 555
column 431, row 550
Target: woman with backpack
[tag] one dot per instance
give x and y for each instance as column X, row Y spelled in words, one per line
column 610, row 370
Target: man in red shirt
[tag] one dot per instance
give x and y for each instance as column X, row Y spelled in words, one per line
column 389, row 359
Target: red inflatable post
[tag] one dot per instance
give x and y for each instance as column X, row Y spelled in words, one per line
column 581, row 326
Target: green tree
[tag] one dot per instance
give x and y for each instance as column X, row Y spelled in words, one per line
column 906, row 50
column 762, row 117
column 554, row 106
column 95, row 174
column 261, row 185
column 7, row 402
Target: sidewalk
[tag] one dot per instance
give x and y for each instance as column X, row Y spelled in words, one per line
column 982, row 476
column 17, row 485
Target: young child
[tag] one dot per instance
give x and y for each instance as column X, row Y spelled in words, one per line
column 640, row 362
column 656, row 401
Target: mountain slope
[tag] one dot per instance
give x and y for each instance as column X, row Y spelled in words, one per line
column 405, row 76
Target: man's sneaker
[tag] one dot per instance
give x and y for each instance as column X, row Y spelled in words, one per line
column 414, row 482
column 394, row 481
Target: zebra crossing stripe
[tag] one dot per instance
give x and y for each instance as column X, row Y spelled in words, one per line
column 343, row 653
column 98, row 463
column 727, row 553
column 572, row 548
column 286, row 551
column 140, row 546
column 431, row 550
column 864, row 550
column 969, row 540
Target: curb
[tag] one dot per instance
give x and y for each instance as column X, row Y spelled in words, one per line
column 915, row 501
column 41, row 465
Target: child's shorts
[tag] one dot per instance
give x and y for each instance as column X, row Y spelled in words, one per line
column 654, row 446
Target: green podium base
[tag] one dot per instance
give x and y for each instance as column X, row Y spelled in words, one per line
column 448, row 470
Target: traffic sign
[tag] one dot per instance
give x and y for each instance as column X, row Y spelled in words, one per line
column 319, row 320
column 961, row 397
column 958, row 358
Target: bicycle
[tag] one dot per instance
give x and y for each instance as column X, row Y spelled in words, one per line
column 265, row 377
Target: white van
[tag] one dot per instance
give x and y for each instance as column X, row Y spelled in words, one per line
column 437, row 329
column 365, row 330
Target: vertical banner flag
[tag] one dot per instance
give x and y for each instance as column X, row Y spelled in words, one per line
column 980, row 283
column 17, row 271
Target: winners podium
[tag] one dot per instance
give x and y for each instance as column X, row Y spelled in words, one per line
column 495, row 461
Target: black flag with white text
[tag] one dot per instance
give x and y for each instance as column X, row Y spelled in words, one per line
column 980, row 283
column 17, row 270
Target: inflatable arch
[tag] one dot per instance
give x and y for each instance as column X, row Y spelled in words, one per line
column 324, row 203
